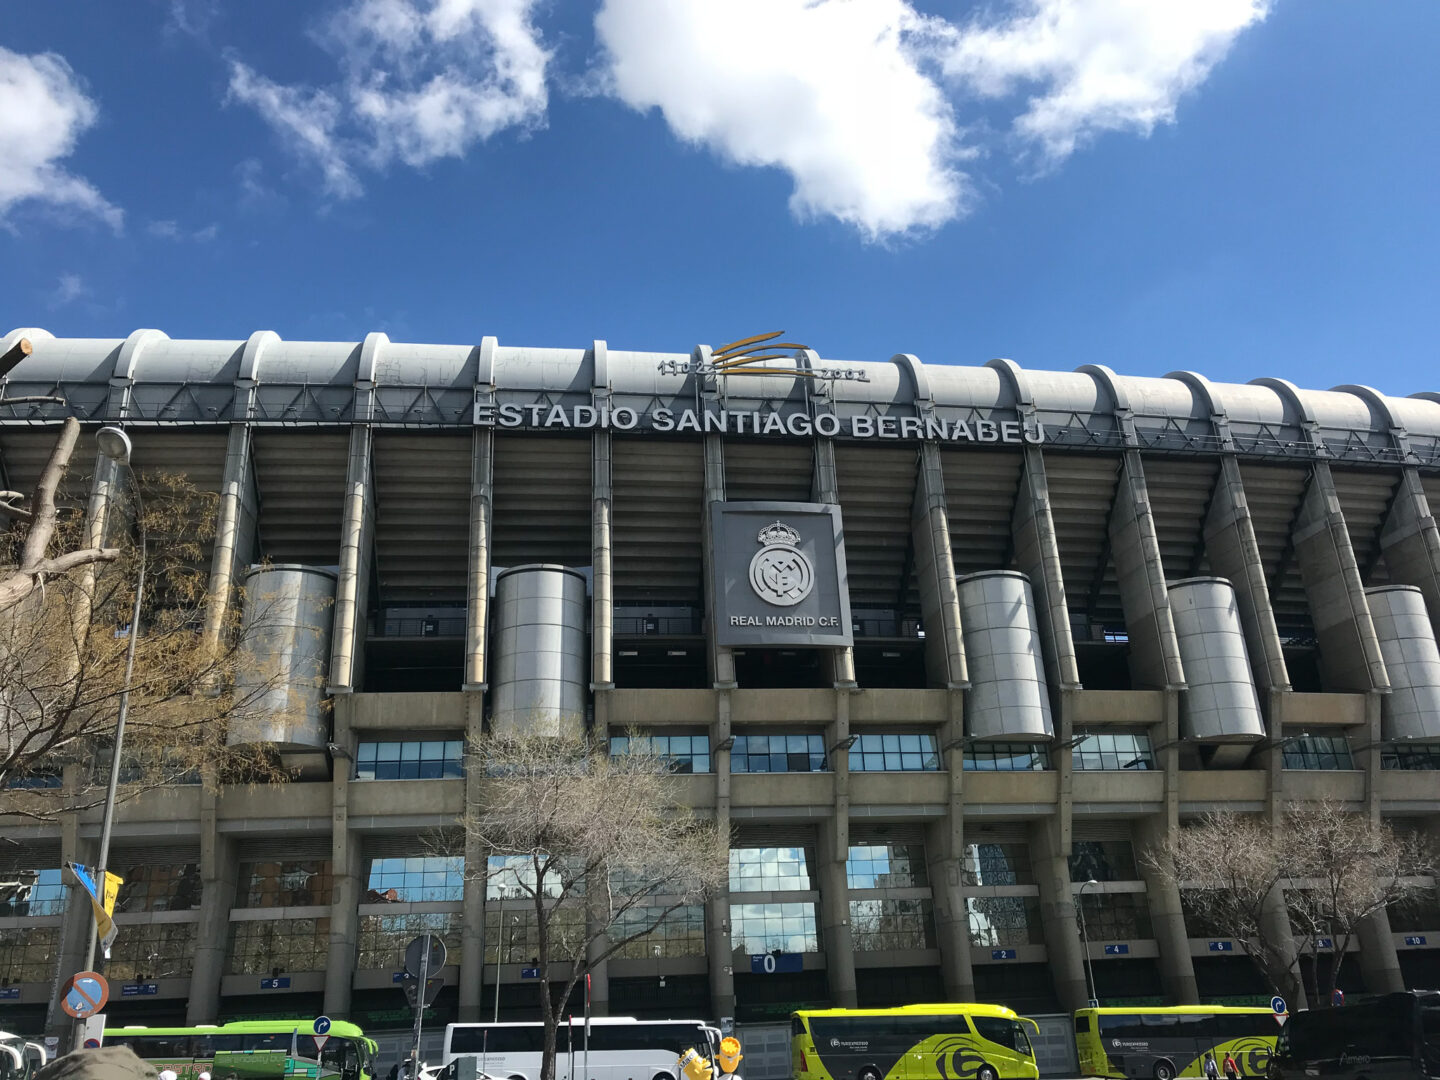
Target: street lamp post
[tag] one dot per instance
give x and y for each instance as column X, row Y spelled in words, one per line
column 1085, row 938
column 114, row 444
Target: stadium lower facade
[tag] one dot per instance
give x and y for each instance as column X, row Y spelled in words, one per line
column 939, row 645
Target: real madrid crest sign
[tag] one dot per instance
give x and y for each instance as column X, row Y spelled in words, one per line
column 792, row 590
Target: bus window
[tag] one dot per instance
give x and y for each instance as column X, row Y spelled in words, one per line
column 1430, row 1023
column 1082, row 1025
column 1000, row 1030
column 269, row 1040
column 225, row 1044
column 158, row 1047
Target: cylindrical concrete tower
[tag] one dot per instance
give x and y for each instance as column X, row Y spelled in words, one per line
column 1007, row 698
column 285, row 631
column 1219, row 704
column 1407, row 643
column 538, row 682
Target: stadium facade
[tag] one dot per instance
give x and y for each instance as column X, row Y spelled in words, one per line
column 939, row 644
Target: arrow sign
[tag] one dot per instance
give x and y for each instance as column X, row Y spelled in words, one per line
column 321, row 1025
column 1277, row 1005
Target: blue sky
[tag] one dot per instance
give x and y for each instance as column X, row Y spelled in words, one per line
column 1241, row 187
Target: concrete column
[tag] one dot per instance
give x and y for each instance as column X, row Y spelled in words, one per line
column 217, row 897
column 600, row 969
column 832, row 851
column 717, row 908
column 935, row 574
column 347, row 869
column 482, row 505
column 472, row 901
column 945, row 859
column 1348, row 645
column 1037, row 556
column 347, row 656
column 1050, row 860
column 1154, row 650
column 1411, row 542
column 1234, row 553
column 602, row 590
column 1275, row 917
column 235, row 532
column 825, row 488
column 1177, row 969
column 722, row 662
column 1379, row 961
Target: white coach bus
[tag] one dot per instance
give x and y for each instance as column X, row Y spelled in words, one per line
column 620, row 1048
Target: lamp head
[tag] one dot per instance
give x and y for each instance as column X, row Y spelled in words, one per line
column 114, row 444
column 1092, row 881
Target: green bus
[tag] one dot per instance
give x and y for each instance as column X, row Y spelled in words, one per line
column 953, row 1041
column 1162, row 1043
column 253, row 1050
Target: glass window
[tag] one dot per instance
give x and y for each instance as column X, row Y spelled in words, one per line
column 763, row 928
column 1115, row 916
column 1103, row 860
column 997, row 1029
column 1410, row 757
column 258, row 947
column 777, row 869
column 421, row 759
column 288, row 883
column 32, row 892
column 1006, row 757
column 420, row 879
column 886, row 866
column 778, row 754
column 1003, row 920
column 895, row 753
column 1113, row 751
column 515, row 927
column 383, row 938
column 679, row 933
column 685, row 753
column 512, row 877
column 170, row 887
column 1418, row 912
column 152, row 951
column 40, row 778
column 877, row 925
column 28, row 954
column 1318, row 752
column 1197, row 923
column 998, row 864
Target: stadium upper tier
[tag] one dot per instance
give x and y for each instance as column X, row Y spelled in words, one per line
column 265, row 380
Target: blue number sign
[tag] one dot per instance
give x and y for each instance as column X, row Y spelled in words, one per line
column 1116, row 950
column 1222, row 946
column 1002, row 954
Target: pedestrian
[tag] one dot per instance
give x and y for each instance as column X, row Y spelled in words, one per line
column 1211, row 1072
column 1232, row 1068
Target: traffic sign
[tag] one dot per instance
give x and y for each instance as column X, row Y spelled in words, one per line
column 321, row 1025
column 415, row 953
column 1277, row 1005
column 1337, row 997
column 85, row 994
column 320, row 1041
column 411, row 986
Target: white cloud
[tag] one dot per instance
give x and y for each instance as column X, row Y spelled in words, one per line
column 305, row 121
column 1094, row 66
column 832, row 92
column 862, row 101
column 171, row 230
column 420, row 80
column 68, row 289
column 43, row 112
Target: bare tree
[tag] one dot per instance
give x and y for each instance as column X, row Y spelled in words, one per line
column 597, row 848
column 37, row 558
column 63, row 645
column 1344, row 869
column 1331, row 868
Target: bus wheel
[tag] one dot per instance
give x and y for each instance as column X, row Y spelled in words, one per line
column 662, row 1076
column 869, row 1072
column 985, row 1072
column 1164, row 1071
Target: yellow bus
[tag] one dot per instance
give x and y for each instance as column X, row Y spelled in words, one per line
column 253, row 1050
column 1163, row 1043
column 951, row 1041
